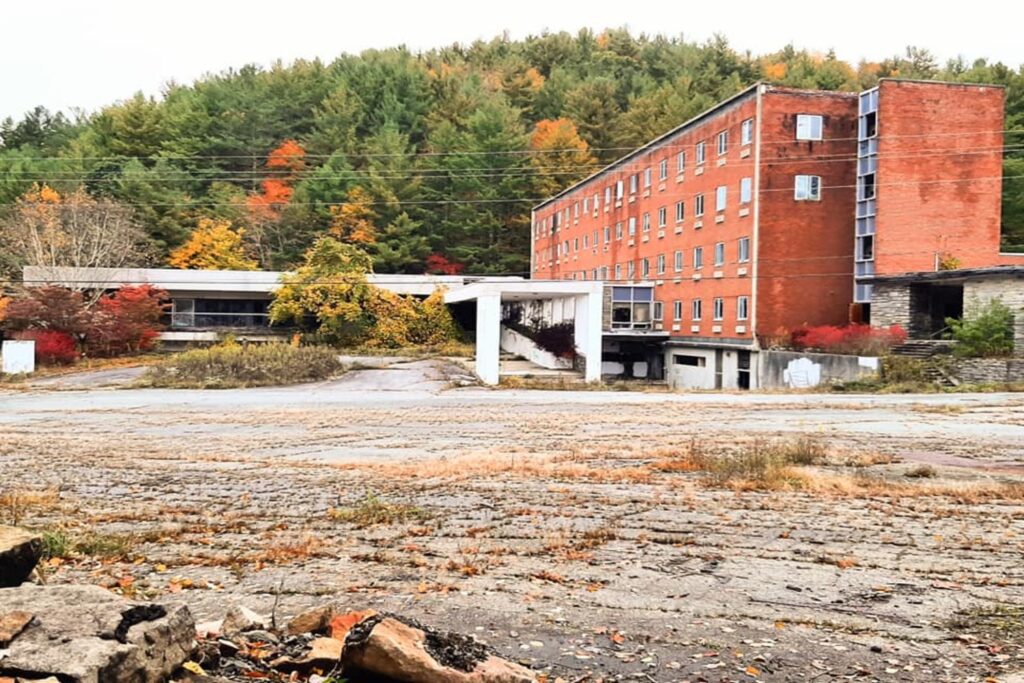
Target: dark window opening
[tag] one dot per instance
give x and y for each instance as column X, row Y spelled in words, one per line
column 869, row 186
column 871, row 124
column 692, row 361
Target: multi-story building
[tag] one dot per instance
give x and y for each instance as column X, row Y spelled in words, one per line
column 758, row 216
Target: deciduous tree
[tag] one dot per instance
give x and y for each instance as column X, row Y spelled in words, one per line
column 214, row 245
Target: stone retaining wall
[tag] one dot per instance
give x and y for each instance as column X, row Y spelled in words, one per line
column 988, row 370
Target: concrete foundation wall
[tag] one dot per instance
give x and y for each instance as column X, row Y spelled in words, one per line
column 988, row 370
column 690, row 376
column 799, row 370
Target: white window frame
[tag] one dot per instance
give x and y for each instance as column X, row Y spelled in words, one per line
column 658, row 311
column 660, row 264
column 678, row 261
column 809, row 127
column 607, row 234
column 646, row 221
column 698, row 258
column 719, row 253
column 742, row 307
column 618, row 271
column 662, row 216
column 663, row 170
column 645, row 267
column 680, row 211
column 723, row 142
column 718, row 308
column 630, row 270
column 747, row 132
column 632, row 226
column 680, row 163
column 807, row 188
column 743, row 249
column 647, row 177
column 701, row 152
column 619, row 189
column 677, row 309
column 746, row 190
column 698, row 205
column 633, row 182
column 721, row 197
column 696, row 310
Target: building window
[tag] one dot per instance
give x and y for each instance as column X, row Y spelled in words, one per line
column 865, row 247
column 663, row 170
column 718, row 311
column 645, row 267
column 720, row 253
column 723, row 142
column 744, row 249
column 607, row 196
column 679, row 260
column 681, row 162
column 604, row 272
column 597, row 201
column 677, row 310
column 680, row 212
column 808, row 127
column 720, row 194
column 632, row 183
column 695, row 310
column 662, row 216
column 607, row 234
column 631, row 307
column 647, row 177
column 618, row 271
column 585, row 241
column 742, row 307
column 700, row 152
column 647, row 222
column 576, row 209
column 619, row 187
column 632, row 226
column 698, row 257
column 746, row 190
column 807, row 188
column 595, row 238
column 867, row 186
column 747, row 132
column 698, row 205
column 658, row 310
column 661, row 264
column 586, row 205
column 631, row 270
column 618, row 230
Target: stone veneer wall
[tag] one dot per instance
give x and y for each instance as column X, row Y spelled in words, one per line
column 988, row 370
column 1010, row 291
column 890, row 305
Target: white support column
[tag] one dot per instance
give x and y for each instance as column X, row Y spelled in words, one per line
column 488, row 337
column 587, row 333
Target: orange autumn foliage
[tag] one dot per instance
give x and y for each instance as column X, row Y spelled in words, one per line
column 285, row 162
column 352, row 222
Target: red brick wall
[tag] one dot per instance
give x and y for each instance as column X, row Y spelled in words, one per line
column 805, row 250
column 939, row 175
column 726, row 169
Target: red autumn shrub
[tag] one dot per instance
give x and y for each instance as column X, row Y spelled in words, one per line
column 53, row 347
column 852, row 339
column 127, row 321
column 47, row 308
column 439, row 264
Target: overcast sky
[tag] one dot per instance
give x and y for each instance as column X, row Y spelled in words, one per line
column 87, row 53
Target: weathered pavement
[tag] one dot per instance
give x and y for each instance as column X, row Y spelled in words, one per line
column 535, row 521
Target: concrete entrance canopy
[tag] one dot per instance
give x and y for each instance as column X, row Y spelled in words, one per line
column 587, row 298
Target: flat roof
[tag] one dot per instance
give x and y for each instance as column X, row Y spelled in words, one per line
column 946, row 275
column 264, row 282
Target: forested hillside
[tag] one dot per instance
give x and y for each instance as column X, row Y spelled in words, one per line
column 432, row 160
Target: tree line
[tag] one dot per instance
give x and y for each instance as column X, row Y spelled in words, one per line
column 428, row 161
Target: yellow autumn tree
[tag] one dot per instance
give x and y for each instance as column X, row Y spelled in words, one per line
column 214, row 245
column 352, row 222
column 560, row 154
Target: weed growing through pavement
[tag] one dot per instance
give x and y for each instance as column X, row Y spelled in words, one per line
column 373, row 511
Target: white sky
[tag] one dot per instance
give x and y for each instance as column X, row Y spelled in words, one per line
column 87, row 53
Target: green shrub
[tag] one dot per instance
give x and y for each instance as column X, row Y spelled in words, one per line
column 903, row 369
column 233, row 365
column 989, row 332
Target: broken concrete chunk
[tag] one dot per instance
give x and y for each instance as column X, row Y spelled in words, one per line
column 72, row 636
column 241, row 619
column 19, row 553
column 404, row 653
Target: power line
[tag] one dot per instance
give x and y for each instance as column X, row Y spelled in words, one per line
column 499, row 172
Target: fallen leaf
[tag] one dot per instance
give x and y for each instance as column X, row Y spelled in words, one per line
column 343, row 623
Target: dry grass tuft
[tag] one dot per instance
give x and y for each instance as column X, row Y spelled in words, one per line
column 16, row 503
column 373, row 511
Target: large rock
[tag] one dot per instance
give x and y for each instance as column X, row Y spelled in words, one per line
column 240, row 619
column 405, row 653
column 85, row 634
column 19, row 553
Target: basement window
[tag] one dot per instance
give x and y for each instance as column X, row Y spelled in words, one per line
column 692, row 361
